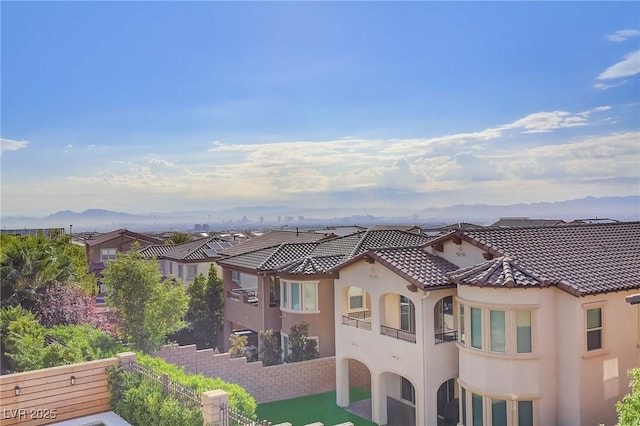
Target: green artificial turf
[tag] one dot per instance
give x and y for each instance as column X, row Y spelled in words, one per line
column 313, row 408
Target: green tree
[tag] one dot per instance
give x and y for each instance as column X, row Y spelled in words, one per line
column 629, row 407
column 205, row 316
column 270, row 350
column 28, row 264
column 302, row 348
column 147, row 307
column 238, row 347
column 179, row 238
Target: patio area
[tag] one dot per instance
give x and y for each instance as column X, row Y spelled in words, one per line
column 315, row 408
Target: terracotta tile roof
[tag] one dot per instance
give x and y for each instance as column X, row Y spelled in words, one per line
column 155, row 250
column 414, row 264
column 373, row 239
column 581, row 259
column 312, row 265
column 321, row 256
column 202, row 249
column 274, row 238
column 251, row 260
column 499, row 272
column 102, row 238
column 525, row 221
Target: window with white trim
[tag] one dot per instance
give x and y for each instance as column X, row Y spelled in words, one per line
column 498, row 331
column 357, row 299
column 477, row 409
column 299, row 295
column 594, row 329
column 108, row 254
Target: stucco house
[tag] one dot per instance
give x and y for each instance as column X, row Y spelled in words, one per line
column 279, row 285
column 187, row 260
column 501, row 326
column 103, row 248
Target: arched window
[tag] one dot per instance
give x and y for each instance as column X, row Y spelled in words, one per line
column 443, row 322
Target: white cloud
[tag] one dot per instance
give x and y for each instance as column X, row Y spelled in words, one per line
column 11, row 145
column 296, row 170
column 623, row 35
column 629, row 66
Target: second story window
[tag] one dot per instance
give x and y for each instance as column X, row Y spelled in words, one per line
column 506, row 330
column 594, row 329
column 108, row 254
column 299, row 296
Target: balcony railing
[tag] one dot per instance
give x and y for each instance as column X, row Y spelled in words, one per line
column 364, row 324
column 244, row 295
column 447, row 336
column 408, row 336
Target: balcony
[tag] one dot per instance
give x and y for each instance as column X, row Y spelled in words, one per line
column 407, row 336
column 244, row 295
column 360, row 319
column 447, row 336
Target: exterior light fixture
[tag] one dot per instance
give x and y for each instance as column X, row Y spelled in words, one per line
column 73, row 380
column 17, row 389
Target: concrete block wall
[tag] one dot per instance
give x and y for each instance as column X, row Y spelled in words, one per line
column 266, row 384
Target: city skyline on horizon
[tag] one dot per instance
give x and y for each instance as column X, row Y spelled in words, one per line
column 354, row 105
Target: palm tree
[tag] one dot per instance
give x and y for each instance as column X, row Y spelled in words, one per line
column 27, row 265
column 179, row 238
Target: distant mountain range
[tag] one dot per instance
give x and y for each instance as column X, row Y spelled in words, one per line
column 619, row 208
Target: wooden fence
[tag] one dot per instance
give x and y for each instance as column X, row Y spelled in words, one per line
column 55, row 394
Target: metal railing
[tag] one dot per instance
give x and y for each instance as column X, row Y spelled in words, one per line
column 244, row 295
column 231, row 417
column 360, row 320
column 408, row 336
column 447, row 336
column 187, row 397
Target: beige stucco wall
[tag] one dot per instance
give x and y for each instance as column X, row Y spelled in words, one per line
column 461, row 255
column 321, row 324
column 569, row 385
column 425, row 364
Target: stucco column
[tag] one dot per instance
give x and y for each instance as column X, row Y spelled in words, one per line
column 214, row 406
column 342, row 382
column 378, row 399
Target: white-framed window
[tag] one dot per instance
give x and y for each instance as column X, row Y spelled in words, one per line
column 180, row 271
column 593, row 325
column 498, row 330
column 108, row 254
column 235, row 277
column 357, row 299
column 476, row 327
column 477, row 409
column 299, row 296
column 192, row 270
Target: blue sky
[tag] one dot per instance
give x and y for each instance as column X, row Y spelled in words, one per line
column 168, row 106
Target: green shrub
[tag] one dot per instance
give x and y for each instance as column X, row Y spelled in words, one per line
column 239, row 398
column 142, row 403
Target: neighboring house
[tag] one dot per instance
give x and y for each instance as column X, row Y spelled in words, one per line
column 187, row 260
column 394, row 314
column 103, row 248
column 532, row 328
column 276, row 286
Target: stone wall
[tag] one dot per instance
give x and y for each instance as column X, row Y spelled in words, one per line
column 266, row 384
